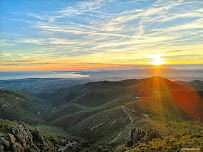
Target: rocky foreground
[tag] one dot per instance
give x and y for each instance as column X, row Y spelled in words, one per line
column 19, row 137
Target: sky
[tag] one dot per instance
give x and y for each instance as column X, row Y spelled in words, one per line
column 43, row 35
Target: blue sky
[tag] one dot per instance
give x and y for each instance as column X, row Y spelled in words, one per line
column 74, row 34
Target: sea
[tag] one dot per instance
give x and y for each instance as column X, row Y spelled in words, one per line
column 40, row 74
column 172, row 72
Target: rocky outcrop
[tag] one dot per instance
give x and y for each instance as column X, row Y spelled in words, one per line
column 137, row 135
column 4, row 143
column 16, row 137
column 37, row 136
column 19, row 137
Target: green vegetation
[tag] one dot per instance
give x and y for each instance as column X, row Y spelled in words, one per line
column 99, row 126
column 174, row 136
column 101, row 115
column 19, row 106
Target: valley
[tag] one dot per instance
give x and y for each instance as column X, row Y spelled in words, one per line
column 127, row 115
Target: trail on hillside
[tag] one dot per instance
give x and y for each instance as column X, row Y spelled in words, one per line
column 145, row 115
column 69, row 144
column 126, row 111
column 53, row 109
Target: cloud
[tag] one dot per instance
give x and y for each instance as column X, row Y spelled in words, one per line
column 81, row 7
column 84, row 7
column 90, row 32
column 5, row 43
column 47, row 41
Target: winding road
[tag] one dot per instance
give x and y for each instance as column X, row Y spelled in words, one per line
column 128, row 112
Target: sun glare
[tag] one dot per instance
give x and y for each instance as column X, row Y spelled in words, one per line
column 156, row 60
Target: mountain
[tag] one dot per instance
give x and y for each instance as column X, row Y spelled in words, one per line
column 15, row 105
column 107, row 114
column 102, row 110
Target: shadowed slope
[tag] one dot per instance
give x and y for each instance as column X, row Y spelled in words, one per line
column 19, row 106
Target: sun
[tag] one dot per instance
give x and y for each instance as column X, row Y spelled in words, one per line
column 156, row 60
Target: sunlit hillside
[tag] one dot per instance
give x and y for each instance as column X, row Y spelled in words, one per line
column 104, row 113
column 101, row 75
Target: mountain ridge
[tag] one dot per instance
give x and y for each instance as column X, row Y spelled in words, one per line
column 106, row 111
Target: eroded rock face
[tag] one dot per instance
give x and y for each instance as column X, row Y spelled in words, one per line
column 136, row 136
column 12, row 139
column 16, row 137
column 19, row 137
column 17, row 147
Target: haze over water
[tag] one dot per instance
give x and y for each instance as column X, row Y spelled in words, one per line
column 172, row 72
column 39, row 74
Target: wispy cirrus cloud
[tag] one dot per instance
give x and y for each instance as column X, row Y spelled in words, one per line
column 97, row 32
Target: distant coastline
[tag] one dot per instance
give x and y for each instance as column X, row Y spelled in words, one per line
column 39, row 74
column 179, row 73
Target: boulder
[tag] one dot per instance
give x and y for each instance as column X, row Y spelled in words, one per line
column 12, row 139
column 17, row 147
column 136, row 135
column 20, row 127
column 22, row 137
column 2, row 134
column 37, row 136
column 15, row 130
column 151, row 134
column 4, row 142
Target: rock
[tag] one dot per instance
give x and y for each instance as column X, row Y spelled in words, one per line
column 23, row 142
column 17, row 147
column 23, row 124
column 151, row 134
column 137, row 135
column 114, row 122
column 129, row 143
column 22, row 137
column 19, row 137
column 15, row 130
column 1, row 148
column 37, row 135
column 12, row 139
column 20, row 127
column 2, row 134
column 4, row 142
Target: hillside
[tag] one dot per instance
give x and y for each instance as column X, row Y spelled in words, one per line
column 104, row 114
column 101, row 110
column 15, row 105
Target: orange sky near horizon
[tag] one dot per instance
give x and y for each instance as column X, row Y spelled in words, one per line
column 81, row 35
